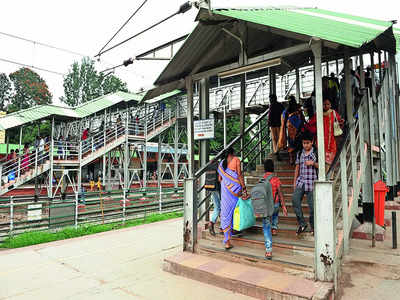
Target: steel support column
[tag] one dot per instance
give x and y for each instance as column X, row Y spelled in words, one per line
column 388, row 134
column 126, row 155
column 317, row 49
column 176, row 140
column 204, row 144
column 51, row 154
column 145, row 148
column 365, row 138
column 242, row 111
column 297, row 84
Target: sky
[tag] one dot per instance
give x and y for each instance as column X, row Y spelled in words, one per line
column 83, row 27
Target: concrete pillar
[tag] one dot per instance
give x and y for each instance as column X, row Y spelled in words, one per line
column 325, row 226
column 324, row 220
column 190, row 194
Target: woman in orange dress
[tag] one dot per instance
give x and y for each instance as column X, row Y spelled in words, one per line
column 329, row 138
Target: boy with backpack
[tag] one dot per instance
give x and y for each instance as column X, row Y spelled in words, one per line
column 267, row 198
column 304, row 177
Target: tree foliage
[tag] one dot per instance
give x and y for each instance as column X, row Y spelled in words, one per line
column 5, row 90
column 29, row 90
column 83, row 83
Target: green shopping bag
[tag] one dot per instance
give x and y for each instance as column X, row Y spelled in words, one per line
column 243, row 216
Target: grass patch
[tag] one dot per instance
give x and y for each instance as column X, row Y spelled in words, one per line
column 39, row 237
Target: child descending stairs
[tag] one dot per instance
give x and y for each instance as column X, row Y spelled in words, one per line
column 292, row 253
column 244, row 268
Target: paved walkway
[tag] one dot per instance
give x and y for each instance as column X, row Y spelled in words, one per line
column 123, row 264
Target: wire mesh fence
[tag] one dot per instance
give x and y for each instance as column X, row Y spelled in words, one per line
column 19, row 214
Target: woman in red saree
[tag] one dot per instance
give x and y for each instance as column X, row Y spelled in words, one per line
column 330, row 116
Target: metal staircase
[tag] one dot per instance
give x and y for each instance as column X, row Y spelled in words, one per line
column 63, row 153
column 24, row 168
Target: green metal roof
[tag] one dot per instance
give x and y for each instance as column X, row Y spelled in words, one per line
column 330, row 26
column 104, row 102
column 40, row 112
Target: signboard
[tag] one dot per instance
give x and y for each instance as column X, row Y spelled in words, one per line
column 2, row 132
column 34, row 212
column 204, row 129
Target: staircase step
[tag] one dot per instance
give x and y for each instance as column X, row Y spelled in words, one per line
column 247, row 280
column 295, row 264
column 255, row 239
column 287, row 230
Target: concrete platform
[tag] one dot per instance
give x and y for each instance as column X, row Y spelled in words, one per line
column 124, row 264
column 247, row 280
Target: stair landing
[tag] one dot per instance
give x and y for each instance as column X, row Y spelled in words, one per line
column 246, row 280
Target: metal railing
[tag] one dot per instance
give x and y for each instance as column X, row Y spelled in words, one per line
column 348, row 171
column 15, row 171
column 255, row 145
column 19, row 215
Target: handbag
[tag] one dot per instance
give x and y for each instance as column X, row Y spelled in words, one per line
column 243, row 216
column 337, row 131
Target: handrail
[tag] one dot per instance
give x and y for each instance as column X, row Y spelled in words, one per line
column 234, row 141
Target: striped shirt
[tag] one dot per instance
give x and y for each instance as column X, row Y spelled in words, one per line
column 307, row 174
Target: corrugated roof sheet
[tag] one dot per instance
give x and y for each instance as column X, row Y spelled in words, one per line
column 104, row 102
column 207, row 47
column 330, row 26
column 36, row 113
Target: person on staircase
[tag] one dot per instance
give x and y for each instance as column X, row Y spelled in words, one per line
column 270, row 224
column 292, row 120
column 330, row 118
column 304, row 176
column 25, row 159
column 232, row 187
column 213, row 186
column 274, row 121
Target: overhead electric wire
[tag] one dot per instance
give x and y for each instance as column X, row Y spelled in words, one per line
column 182, row 9
column 140, row 56
column 123, row 25
column 32, row 67
column 42, row 44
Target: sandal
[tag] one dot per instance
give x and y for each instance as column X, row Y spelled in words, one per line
column 268, row 255
column 274, row 232
column 228, row 248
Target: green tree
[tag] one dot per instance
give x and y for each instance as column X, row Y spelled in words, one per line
column 29, row 90
column 83, row 83
column 5, row 91
column 111, row 84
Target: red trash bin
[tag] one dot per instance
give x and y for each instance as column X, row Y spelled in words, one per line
column 380, row 190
